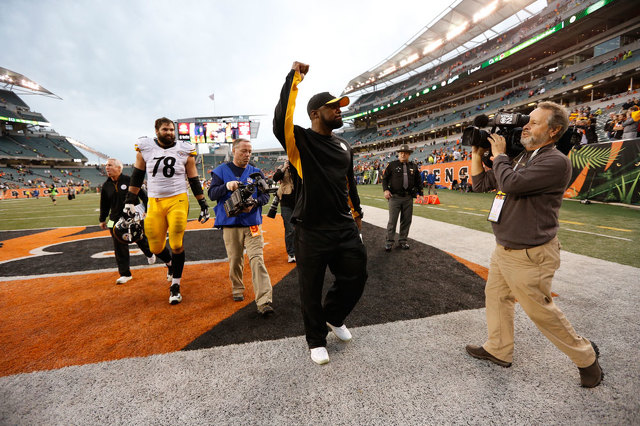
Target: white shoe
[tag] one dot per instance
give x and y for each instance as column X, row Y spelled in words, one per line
column 151, row 259
column 320, row 355
column 123, row 279
column 341, row 332
column 292, row 259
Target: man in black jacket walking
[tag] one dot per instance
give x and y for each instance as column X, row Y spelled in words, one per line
column 112, row 196
column 401, row 183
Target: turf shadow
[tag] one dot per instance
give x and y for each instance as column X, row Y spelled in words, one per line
column 402, row 285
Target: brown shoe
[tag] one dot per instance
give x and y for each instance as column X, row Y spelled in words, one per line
column 591, row 376
column 265, row 310
column 480, row 353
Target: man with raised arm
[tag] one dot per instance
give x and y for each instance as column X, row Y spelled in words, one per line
column 327, row 213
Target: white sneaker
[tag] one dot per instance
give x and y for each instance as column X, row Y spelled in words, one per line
column 151, row 259
column 341, row 332
column 292, row 259
column 123, row 279
column 320, row 355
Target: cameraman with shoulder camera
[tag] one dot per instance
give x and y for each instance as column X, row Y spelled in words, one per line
column 243, row 230
column 524, row 217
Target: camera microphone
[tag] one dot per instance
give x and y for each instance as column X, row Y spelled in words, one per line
column 481, row 120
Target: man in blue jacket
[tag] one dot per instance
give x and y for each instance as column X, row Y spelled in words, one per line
column 243, row 231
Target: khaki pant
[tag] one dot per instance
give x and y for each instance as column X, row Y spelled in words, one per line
column 235, row 241
column 526, row 275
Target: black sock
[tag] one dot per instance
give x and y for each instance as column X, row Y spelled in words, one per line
column 164, row 255
column 177, row 263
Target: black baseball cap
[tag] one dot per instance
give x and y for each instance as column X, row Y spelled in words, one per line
column 323, row 98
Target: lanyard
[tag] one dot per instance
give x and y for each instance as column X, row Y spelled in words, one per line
column 522, row 156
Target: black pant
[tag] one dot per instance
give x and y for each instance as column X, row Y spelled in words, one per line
column 345, row 254
column 122, row 253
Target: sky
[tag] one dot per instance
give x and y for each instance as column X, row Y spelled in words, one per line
column 118, row 65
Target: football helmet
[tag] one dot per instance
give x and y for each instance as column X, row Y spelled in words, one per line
column 129, row 230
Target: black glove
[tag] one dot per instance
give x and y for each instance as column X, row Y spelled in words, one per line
column 129, row 209
column 204, row 211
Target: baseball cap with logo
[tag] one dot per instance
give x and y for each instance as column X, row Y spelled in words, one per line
column 319, row 100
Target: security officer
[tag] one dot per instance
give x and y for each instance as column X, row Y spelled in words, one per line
column 401, row 183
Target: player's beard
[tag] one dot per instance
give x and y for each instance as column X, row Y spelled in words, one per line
column 166, row 140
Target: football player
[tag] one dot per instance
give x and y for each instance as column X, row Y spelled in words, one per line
column 167, row 163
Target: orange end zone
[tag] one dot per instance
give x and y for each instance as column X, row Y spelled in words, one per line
column 56, row 322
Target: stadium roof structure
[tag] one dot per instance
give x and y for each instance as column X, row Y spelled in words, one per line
column 458, row 24
column 14, row 81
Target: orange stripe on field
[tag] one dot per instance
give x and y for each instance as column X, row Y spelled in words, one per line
column 56, row 322
column 22, row 246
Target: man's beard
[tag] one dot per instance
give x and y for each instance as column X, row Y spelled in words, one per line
column 334, row 124
column 166, row 140
column 530, row 141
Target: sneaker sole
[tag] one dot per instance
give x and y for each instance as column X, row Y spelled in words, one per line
column 321, row 361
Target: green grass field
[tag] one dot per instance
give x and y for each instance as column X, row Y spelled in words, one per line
column 599, row 230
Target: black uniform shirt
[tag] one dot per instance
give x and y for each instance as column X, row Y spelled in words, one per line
column 112, row 197
column 392, row 179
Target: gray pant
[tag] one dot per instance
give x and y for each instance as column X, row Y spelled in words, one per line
column 402, row 206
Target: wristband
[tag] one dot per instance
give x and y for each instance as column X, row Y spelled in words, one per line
column 137, row 177
column 196, row 188
column 131, row 198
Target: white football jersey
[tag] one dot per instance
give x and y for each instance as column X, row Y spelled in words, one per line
column 166, row 171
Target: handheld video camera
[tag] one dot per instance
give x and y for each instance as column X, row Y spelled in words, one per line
column 242, row 198
column 509, row 125
column 505, row 124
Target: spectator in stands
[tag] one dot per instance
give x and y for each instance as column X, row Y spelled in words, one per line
column 527, row 253
column 327, row 213
column 630, row 125
column 618, row 127
column 243, row 231
column 401, row 184
column 287, row 196
column 608, row 125
column 112, row 197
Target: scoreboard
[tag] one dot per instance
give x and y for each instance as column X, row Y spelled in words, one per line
column 214, row 132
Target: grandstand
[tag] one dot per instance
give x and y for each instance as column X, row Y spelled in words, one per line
column 32, row 154
column 577, row 53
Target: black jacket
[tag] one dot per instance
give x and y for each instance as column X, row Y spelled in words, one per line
column 392, row 179
column 112, row 197
column 321, row 168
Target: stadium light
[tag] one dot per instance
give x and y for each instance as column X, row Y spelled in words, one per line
column 432, row 46
column 388, row 71
column 456, row 31
column 485, row 11
column 588, row 86
column 409, row 59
